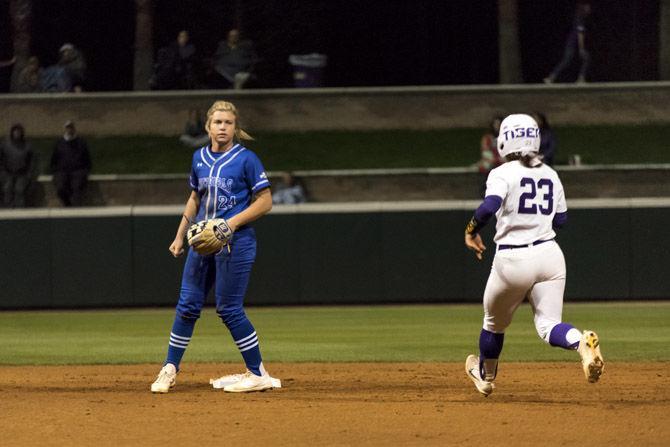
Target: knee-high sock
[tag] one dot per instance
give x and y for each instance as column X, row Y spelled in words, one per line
column 182, row 330
column 245, row 338
column 490, row 347
column 564, row 335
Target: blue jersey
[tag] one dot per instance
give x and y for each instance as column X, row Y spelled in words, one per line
column 226, row 182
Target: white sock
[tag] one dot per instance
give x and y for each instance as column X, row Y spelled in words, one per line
column 573, row 336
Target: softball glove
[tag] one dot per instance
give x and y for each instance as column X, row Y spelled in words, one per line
column 209, row 236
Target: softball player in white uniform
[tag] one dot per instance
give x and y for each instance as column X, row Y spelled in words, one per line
column 528, row 201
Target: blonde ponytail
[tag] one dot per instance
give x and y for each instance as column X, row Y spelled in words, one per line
column 225, row 106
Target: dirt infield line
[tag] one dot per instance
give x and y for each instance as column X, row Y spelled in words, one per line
column 337, row 404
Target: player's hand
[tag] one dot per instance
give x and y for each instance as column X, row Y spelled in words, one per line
column 475, row 244
column 177, row 247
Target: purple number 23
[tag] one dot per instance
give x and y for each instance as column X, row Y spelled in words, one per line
column 546, row 187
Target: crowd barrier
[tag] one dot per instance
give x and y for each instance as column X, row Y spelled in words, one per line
column 351, row 108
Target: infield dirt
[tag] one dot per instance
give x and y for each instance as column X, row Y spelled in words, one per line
column 337, row 404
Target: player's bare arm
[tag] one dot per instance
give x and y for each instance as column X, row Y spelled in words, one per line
column 261, row 205
column 190, row 211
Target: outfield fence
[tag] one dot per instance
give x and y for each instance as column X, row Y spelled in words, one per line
column 372, row 252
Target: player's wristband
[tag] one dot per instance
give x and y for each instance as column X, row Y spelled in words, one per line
column 472, row 227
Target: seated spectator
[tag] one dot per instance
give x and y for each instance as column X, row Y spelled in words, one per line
column 18, row 167
column 175, row 66
column 290, row 191
column 194, row 135
column 73, row 62
column 55, row 79
column 489, row 156
column 547, row 139
column 70, row 166
column 164, row 76
column 186, row 62
column 233, row 61
column 28, row 80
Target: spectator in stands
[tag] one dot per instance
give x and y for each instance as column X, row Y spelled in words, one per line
column 194, row 135
column 29, row 77
column 290, row 191
column 164, row 76
column 186, row 62
column 175, row 66
column 70, row 165
column 547, row 139
column 74, row 64
column 575, row 41
column 233, row 61
column 489, row 156
column 55, row 79
column 18, row 167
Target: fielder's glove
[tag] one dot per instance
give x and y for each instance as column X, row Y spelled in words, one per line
column 209, row 236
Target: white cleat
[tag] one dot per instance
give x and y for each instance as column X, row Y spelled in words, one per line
column 472, row 370
column 166, row 379
column 224, row 381
column 592, row 359
column 250, row 382
column 231, row 379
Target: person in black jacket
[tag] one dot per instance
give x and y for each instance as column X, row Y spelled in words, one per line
column 18, row 164
column 70, row 165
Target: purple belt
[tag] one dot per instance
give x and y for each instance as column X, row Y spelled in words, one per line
column 506, row 247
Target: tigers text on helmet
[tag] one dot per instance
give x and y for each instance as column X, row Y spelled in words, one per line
column 518, row 133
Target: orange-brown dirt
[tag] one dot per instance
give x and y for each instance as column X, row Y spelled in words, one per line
column 337, row 404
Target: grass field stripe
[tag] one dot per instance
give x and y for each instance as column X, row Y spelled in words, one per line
column 242, row 340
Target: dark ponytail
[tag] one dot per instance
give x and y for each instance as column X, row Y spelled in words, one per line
column 528, row 160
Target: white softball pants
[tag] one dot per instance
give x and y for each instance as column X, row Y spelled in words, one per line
column 536, row 272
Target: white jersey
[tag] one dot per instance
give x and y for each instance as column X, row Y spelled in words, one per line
column 531, row 197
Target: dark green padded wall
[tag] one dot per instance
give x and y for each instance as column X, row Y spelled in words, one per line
column 322, row 258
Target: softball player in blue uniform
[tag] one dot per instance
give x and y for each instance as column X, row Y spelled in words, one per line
column 228, row 181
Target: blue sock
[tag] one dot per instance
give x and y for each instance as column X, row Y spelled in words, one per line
column 182, row 330
column 558, row 336
column 490, row 347
column 246, row 340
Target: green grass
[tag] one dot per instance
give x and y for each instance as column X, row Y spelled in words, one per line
column 372, row 149
column 418, row 333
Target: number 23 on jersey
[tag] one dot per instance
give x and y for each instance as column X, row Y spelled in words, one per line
column 531, row 189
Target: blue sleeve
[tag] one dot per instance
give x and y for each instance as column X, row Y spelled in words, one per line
column 487, row 209
column 559, row 220
column 254, row 174
column 483, row 213
column 193, row 180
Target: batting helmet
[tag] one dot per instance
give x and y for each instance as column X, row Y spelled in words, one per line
column 518, row 133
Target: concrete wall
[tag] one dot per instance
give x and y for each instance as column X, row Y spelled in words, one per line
column 372, row 185
column 164, row 113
